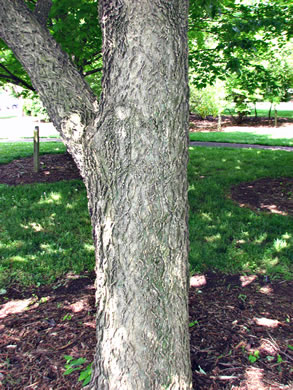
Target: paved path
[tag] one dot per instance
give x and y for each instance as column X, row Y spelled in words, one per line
column 192, row 143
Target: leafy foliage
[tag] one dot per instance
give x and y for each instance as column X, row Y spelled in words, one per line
column 74, row 25
column 33, row 106
column 226, row 38
column 245, row 43
column 207, row 101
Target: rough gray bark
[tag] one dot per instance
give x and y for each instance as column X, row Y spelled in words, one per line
column 134, row 161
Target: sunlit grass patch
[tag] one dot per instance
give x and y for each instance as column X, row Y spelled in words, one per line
column 10, row 151
column 45, row 229
column 225, row 236
column 43, row 240
column 271, row 137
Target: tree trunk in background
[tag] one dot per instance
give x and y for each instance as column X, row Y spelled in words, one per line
column 133, row 156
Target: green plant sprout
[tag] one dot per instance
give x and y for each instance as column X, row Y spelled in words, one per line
column 67, row 317
column 253, row 357
column 77, row 365
column 243, row 297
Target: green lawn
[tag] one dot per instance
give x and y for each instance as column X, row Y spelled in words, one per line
column 261, row 112
column 45, row 229
column 13, row 150
column 245, row 137
column 8, row 116
column 281, row 113
column 229, row 238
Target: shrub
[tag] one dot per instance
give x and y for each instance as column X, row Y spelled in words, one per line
column 207, row 101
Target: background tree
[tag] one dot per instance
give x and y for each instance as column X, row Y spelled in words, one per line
column 239, row 43
column 132, row 153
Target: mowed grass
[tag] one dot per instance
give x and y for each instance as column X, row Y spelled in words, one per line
column 45, row 229
column 280, row 113
column 280, row 136
column 229, row 238
column 246, row 137
column 10, row 151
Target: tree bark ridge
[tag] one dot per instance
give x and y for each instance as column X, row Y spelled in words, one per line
column 140, row 219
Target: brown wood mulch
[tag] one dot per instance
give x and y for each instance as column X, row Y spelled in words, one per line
column 241, row 329
column 53, row 167
column 232, row 319
column 211, row 124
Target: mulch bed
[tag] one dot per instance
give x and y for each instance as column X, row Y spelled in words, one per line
column 232, row 317
column 241, row 329
column 53, row 167
column 211, row 124
column 266, row 194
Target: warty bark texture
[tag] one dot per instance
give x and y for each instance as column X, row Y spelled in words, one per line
column 133, row 156
column 138, row 198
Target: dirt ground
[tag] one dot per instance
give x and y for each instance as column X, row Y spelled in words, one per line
column 241, row 329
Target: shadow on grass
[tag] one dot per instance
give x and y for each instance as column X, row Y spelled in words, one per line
column 224, row 236
column 45, row 232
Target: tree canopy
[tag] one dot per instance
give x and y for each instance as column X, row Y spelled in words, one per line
column 74, row 25
column 227, row 37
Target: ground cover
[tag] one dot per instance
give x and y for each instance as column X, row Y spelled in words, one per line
column 240, row 333
column 240, row 322
column 10, row 151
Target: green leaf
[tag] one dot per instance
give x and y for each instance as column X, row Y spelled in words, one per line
column 70, row 370
column 68, row 358
column 191, row 324
column 252, row 358
column 87, row 381
column 78, row 362
column 279, row 359
column 84, row 374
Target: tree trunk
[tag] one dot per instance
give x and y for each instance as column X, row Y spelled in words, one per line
column 134, row 162
column 137, row 196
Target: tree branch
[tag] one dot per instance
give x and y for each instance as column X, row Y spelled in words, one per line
column 93, row 59
column 93, row 71
column 14, row 79
column 68, row 99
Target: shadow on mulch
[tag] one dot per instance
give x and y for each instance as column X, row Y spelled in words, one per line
column 234, row 320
